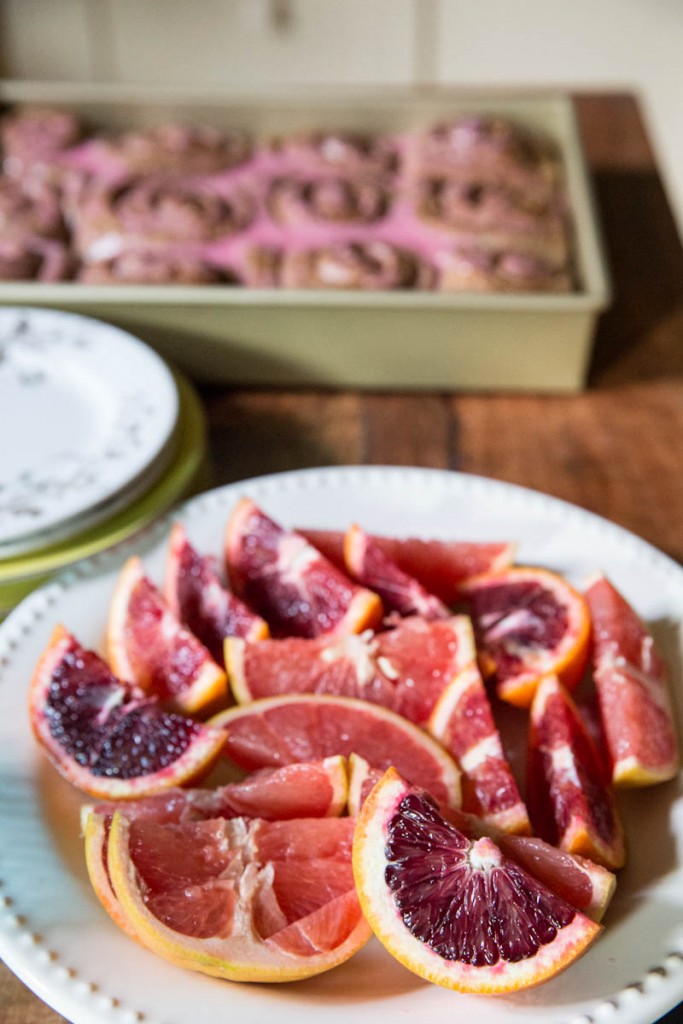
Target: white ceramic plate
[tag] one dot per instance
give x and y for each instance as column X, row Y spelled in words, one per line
column 56, row 937
column 87, row 409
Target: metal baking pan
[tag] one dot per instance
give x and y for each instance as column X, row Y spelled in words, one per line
column 370, row 340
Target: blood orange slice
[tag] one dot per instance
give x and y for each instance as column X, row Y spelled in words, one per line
column 242, row 900
column 367, row 563
column 104, row 735
column 453, row 910
column 282, row 730
column 570, row 804
column 405, row 669
column 197, row 597
column 463, row 721
column 632, row 687
column 440, row 566
column 298, row 591
column 529, row 623
column 148, row 646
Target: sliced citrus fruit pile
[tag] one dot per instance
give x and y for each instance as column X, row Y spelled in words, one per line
column 453, row 910
column 197, row 597
column 528, row 623
column 104, row 735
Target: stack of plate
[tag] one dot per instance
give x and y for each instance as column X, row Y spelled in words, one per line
column 97, row 438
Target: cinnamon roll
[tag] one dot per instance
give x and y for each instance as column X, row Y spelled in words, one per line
column 345, row 152
column 175, row 149
column 156, row 211
column 475, row 269
column 139, row 266
column 329, row 200
column 33, row 137
column 368, row 266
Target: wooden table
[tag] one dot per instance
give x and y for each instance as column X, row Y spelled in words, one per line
column 616, row 449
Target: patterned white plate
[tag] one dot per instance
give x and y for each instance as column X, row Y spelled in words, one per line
column 57, row 938
column 86, row 410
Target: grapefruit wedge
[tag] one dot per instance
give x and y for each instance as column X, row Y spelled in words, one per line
column 283, row 730
column 197, row 597
column 242, row 900
column 633, row 691
column 147, row 645
column 105, row 736
column 570, row 804
column 457, row 911
column 528, row 623
column 441, row 566
column 298, row 591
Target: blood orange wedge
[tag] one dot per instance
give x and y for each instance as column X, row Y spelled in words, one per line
column 632, row 687
column 282, row 730
column 462, row 719
column 298, row 591
column 440, row 566
column 529, row 623
column 453, row 910
column 147, row 645
column 104, row 735
column 405, row 669
column 367, row 563
column 197, row 597
column 570, row 804
column 243, row 900
column 587, row 886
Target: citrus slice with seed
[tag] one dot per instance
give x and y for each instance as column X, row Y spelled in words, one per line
column 148, row 646
column 633, row 691
column 104, row 735
column 242, row 900
column 570, row 804
column 528, row 623
column 197, row 597
column 307, row 727
column 453, row 910
column 405, row 669
column 281, row 576
column 369, row 565
column 463, row 721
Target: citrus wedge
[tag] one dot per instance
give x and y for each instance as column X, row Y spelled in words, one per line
column 147, row 645
column 453, row 910
column 633, row 691
column 528, row 623
column 242, row 900
column 104, row 735
column 281, row 576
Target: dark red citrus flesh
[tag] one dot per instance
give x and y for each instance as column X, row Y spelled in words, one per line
column 434, row 879
column 204, row 605
column 107, row 726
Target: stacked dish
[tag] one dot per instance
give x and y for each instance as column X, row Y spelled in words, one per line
column 97, row 437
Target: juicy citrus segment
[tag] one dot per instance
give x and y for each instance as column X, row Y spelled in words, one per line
column 148, row 646
column 633, row 691
column 405, row 669
column 196, row 596
column 245, row 901
column 95, row 828
column 570, row 804
column 283, row 577
column 282, row 730
column 528, row 623
column 440, row 566
column 104, row 735
column 367, row 563
column 463, row 721
column 453, row 910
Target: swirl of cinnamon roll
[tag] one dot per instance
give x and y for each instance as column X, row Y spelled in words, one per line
column 475, row 269
column 33, row 136
column 368, row 266
column 151, row 266
column 34, row 259
column 329, row 200
column 157, row 211
column 29, row 210
column 176, row 149
column 494, row 150
column 345, row 152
